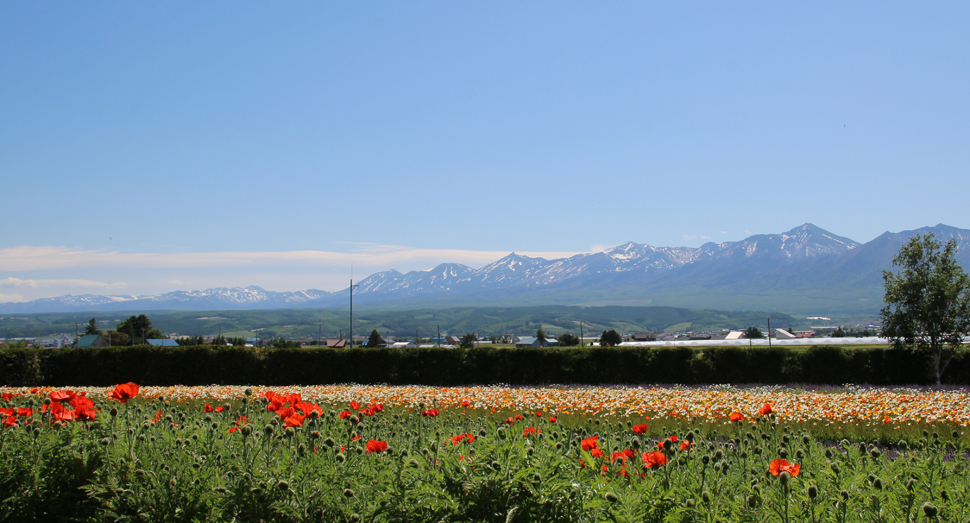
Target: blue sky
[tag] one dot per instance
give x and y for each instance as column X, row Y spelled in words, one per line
column 151, row 147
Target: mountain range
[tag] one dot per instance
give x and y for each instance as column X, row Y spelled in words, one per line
column 804, row 270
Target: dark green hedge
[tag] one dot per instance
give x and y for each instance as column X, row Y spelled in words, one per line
column 206, row 365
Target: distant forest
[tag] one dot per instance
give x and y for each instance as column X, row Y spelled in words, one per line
column 485, row 321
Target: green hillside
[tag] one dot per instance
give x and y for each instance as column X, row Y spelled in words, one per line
column 482, row 320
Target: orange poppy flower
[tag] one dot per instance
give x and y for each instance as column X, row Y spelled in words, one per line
column 590, row 443
column 376, row 446
column 640, row 429
column 780, row 465
column 737, row 416
column 653, row 459
column 765, row 410
column 596, row 453
column 62, row 395
column 124, row 392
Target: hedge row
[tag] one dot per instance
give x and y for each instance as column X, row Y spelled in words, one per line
column 205, row 365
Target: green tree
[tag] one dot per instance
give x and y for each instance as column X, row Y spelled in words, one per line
column 568, row 340
column 91, row 327
column 138, row 329
column 375, row 339
column 753, row 333
column 541, row 336
column 838, row 333
column 468, row 341
column 116, row 339
column 610, row 338
column 928, row 301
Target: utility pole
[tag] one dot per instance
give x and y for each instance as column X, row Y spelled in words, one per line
column 352, row 311
column 580, row 335
column 769, row 331
column 319, row 333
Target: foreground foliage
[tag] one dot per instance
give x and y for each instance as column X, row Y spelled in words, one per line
column 276, row 457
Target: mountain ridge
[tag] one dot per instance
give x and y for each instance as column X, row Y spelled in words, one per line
column 800, row 269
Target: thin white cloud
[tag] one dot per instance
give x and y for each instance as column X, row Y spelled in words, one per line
column 11, row 297
column 36, row 284
column 723, row 232
column 696, row 236
column 30, row 258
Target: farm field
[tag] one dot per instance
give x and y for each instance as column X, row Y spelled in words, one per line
column 382, row 453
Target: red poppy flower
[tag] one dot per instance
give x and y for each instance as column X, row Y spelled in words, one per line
column 376, row 446
column 61, row 396
column 538, row 414
column 552, row 419
column 510, row 421
column 590, row 443
column 684, row 445
column 765, row 410
column 462, row 438
column 286, row 412
column 124, row 392
column 354, row 405
column 780, row 465
column 430, row 413
column 531, row 431
column 7, row 396
column 618, row 456
column 345, row 414
column 465, row 403
column 378, row 407
column 9, row 421
column 222, row 408
column 640, row 429
column 24, row 412
column 157, row 417
column 736, row 416
column 518, row 417
column 356, row 437
column 653, row 459
column 295, row 420
column 207, row 409
column 596, row 453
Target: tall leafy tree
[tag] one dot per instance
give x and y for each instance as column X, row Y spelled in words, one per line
column 375, row 339
column 541, row 336
column 139, row 328
column 92, row 327
column 927, row 301
column 568, row 340
column 610, row 338
column 468, row 341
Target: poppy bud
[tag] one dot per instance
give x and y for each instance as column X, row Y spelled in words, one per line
column 689, row 503
column 348, row 493
column 875, row 453
column 289, row 432
column 835, row 468
column 667, row 444
column 282, row 485
column 784, row 478
column 744, row 454
column 340, row 457
column 944, row 496
column 246, row 430
column 611, row 497
column 718, row 455
column 877, row 483
column 255, row 490
column 805, row 440
column 955, row 434
column 248, row 392
column 799, row 454
column 752, row 501
column 482, row 433
column 845, row 495
column 355, row 517
column 828, row 453
column 245, row 401
column 910, row 485
column 173, row 482
column 782, row 453
column 930, row 510
column 705, row 459
column 903, row 445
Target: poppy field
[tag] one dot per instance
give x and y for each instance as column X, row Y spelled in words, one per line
column 383, row 453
